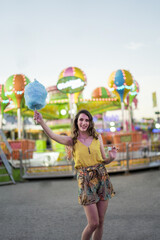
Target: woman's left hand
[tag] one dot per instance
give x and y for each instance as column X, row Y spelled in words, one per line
column 113, row 153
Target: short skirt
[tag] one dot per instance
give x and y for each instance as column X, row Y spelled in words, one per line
column 94, row 185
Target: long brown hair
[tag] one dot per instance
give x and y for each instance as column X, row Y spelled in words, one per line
column 91, row 129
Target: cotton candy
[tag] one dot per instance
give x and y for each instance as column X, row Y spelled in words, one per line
column 35, row 95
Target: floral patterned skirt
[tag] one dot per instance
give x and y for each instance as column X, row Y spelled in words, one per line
column 93, row 184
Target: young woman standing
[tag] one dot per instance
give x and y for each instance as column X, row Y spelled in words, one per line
column 94, row 185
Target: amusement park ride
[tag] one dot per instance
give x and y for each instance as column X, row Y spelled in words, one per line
column 63, row 101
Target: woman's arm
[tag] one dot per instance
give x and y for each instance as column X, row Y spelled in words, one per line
column 66, row 140
column 112, row 153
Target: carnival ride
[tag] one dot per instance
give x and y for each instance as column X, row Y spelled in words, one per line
column 64, row 100
column 14, row 90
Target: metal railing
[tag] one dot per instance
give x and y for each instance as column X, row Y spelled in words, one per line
column 5, row 167
column 46, row 164
column 133, row 156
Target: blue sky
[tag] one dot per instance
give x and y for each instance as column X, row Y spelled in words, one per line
column 40, row 38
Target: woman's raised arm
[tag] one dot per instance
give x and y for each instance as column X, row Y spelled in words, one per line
column 66, row 140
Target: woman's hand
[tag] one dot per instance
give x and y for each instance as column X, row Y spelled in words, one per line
column 112, row 153
column 37, row 117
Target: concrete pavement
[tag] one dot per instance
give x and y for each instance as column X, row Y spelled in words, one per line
column 49, row 210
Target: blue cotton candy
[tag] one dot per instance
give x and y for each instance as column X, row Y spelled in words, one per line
column 35, row 95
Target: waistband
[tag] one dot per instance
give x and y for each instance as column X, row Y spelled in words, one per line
column 91, row 168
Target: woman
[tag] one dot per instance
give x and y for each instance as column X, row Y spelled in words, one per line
column 95, row 188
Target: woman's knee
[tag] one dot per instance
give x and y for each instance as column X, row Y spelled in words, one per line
column 93, row 225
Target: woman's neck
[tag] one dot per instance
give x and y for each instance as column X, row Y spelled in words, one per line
column 83, row 135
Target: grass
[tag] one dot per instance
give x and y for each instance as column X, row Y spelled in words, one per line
column 15, row 174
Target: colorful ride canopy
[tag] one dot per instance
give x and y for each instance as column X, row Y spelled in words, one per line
column 133, row 92
column 71, row 80
column 101, row 92
column 101, row 101
column 4, row 101
column 120, row 83
column 14, row 88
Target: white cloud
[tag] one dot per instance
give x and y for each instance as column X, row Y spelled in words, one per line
column 134, row 45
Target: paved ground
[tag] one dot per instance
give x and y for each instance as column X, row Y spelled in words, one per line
column 48, row 209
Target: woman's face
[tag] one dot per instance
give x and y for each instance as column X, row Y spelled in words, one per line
column 83, row 122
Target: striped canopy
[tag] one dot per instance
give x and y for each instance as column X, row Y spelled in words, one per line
column 120, row 83
column 71, row 80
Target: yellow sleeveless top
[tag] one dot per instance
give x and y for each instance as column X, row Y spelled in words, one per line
column 87, row 156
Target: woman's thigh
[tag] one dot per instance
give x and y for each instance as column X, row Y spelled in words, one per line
column 92, row 214
column 102, row 208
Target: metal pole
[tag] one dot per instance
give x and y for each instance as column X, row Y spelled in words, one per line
column 22, row 125
column 127, row 153
column 123, row 123
column 130, row 118
column 71, row 105
column 19, row 122
column 21, row 164
column 103, row 121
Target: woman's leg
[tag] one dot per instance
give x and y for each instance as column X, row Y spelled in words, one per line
column 93, row 221
column 101, row 207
